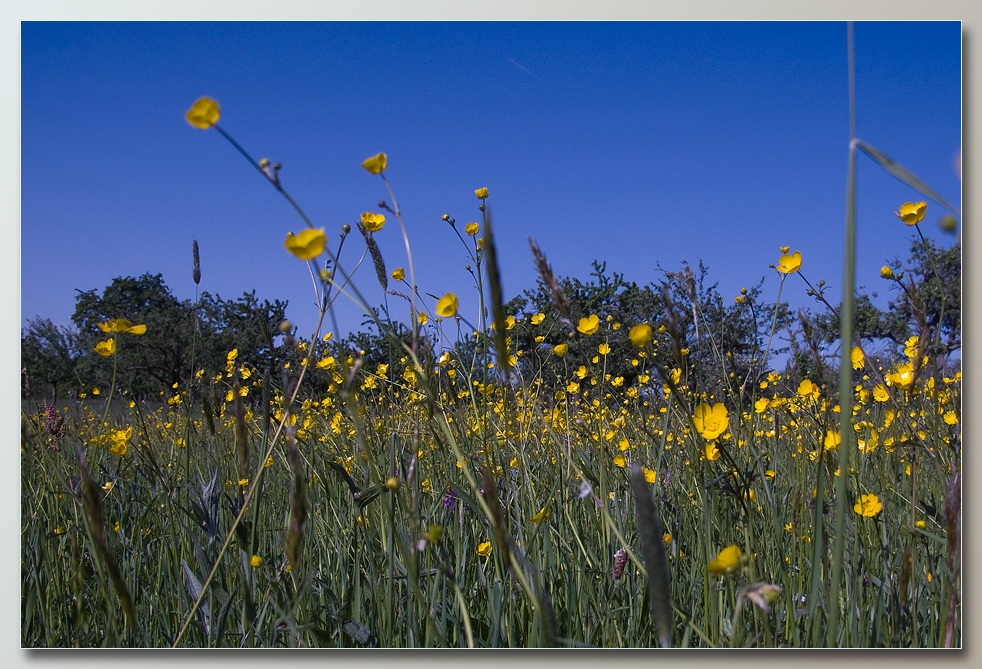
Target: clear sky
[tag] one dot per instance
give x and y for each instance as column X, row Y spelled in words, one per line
column 634, row 143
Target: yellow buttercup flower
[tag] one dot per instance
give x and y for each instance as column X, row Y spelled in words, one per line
column 122, row 325
column 106, row 348
column 589, row 324
column 620, row 460
column 308, row 244
column 712, row 421
column 604, row 349
column 760, row 406
column 561, row 349
column 538, row 318
column 484, row 549
column 422, row 318
column 857, row 358
column 372, row 222
column 399, row 274
column 447, row 305
column 481, row 193
column 880, row 393
column 868, row 506
column 640, row 335
column 650, row 476
column 832, row 440
column 950, row 417
column 255, row 562
column 540, row 516
column 789, row 263
column 472, row 229
column 376, row 164
column 886, row 272
column 204, row 113
column 727, row 561
column 903, row 377
column 911, row 213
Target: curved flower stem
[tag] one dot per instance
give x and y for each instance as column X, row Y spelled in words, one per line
column 777, row 306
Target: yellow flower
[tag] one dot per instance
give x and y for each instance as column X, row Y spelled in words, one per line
column 770, row 474
column 481, row 193
column 372, row 222
column 650, row 476
column 712, row 421
column 789, row 263
column 832, row 440
column 911, row 347
column 712, row 452
column 807, row 389
column 204, row 113
column 509, row 322
column 256, row 562
column 572, row 387
column 109, row 486
column 667, row 538
column 122, row 325
column 472, row 229
column 589, row 324
column 119, row 439
column 375, row 164
column 422, row 318
column 540, row 516
column 868, row 506
column 399, row 274
column 760, row 406
column 484, row 549
column 920, row 524
column 106, row 348
column 857, row 358
column 903, row 377
column 640, row 335
column 727, row 561
column 886, row 272
column 911, row 213
column 538, row 318
column 308, row 244
column 950, row 418
column 620, row 460
column 604, row 349
column 446, row 306
column 561, row 349
column 880, row 393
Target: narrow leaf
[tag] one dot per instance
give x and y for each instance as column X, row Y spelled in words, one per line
column 895, row 170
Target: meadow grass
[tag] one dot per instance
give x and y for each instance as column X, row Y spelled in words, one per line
column 454, row 497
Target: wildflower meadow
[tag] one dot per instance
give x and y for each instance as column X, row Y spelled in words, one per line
column 586, row 464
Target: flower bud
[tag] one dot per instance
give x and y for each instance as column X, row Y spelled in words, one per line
column 948, row 223
column 285, row 326
column 346, row 228
column 446, row 217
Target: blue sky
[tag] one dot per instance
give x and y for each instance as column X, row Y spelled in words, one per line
column 635, row 143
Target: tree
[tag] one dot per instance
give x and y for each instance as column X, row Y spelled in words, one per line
column 50, row 353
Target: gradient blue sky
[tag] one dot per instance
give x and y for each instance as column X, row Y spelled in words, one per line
column 635, row 143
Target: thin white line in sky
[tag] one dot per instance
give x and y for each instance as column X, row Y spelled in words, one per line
column 524, row 68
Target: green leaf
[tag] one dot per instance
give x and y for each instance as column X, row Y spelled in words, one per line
column 895, row 170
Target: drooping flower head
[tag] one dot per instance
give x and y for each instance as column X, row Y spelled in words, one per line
column 204, row 113
column 375, row 164
column 106, row 348
column 911, row 213
column 447, row 305
column 308, row 244
column 727, row 561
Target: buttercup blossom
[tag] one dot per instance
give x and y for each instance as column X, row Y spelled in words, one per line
column 376, row 164
column 640, row 335
column 727, row 561
column 122, row 325
column 561, row 349
column 481, row 193
column 789, row 263
column 106, row 348
column 372, row 222
column 204, row 113
column 484, row 549
column 447, row 305
column 308, row 244
column 471, row 229
column 538, row 318
column 868, row 506
column 399, row 274
column 712, row 421
column 911, row 213
column 886, row 272
column 589, row 324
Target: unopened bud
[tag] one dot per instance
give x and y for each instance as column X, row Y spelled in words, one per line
column 285, row 326
column 346, row 228
column 948, row 223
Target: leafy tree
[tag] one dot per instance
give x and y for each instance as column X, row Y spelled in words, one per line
column 50, row 354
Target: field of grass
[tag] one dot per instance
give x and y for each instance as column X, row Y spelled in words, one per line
column 463, row 497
